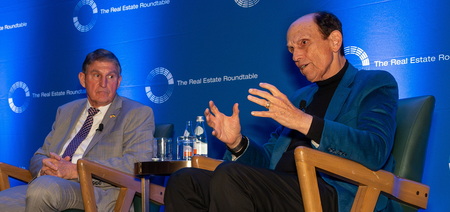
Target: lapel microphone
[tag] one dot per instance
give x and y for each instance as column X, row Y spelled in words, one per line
column 302, row 105
column 100, row 127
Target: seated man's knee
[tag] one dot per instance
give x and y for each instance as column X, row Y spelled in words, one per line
column 182, row 175
column 44, row 187
column 227, row 168
column 186, row 177
column 225, row 172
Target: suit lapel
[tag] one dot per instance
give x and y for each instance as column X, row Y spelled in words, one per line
column 336, row 104
column 77, row 109
column 109, row 121
column 341, row 94
column 280, row 147
column 284, row 140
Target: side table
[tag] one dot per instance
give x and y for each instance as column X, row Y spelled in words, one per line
column 146, row 169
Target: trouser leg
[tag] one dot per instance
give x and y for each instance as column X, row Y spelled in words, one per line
column 13, row 199
column 188, row 190
column 237, row 187
column 49, row 193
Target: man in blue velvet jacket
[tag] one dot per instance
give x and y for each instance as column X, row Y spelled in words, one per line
column 344, row 112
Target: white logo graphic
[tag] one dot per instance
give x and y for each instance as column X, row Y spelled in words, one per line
column 77, row 13
column 358, row 52
column 161, row 84
column 19, row 87
column 246, row 3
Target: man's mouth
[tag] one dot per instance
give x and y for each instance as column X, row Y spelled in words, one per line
column 303, row 66
column 102, row 92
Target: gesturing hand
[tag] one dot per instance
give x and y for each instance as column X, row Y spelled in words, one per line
column 225, row 128
column 279, row 108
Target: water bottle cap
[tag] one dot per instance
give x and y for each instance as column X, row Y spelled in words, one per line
column 200, row 118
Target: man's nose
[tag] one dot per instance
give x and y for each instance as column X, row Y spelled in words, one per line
column 103, row 81
column 297, row 54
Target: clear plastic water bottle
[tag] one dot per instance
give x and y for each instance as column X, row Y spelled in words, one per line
column 188, row 130
column 185, row 143
column 201, row 143
column 185, row 147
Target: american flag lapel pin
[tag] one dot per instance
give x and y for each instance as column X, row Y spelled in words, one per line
column 112, row 116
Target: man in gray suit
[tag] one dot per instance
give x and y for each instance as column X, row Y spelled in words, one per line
column 117, row 134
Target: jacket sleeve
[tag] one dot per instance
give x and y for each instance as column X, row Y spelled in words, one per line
column 364, row 131
column 42, row 152
column 254, row 155
column 128, row 142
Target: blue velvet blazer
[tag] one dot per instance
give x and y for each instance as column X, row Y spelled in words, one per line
column 359, row 125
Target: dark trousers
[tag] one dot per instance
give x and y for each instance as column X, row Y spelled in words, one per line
column 238, row 187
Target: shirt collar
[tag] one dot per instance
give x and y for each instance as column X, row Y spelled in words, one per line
column 102, row 109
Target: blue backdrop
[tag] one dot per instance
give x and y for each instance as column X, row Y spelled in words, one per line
column 179, row 54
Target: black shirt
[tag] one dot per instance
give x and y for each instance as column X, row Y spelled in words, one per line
column 317, row 108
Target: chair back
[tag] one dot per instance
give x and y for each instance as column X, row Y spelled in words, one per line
column 411, row 137
column 163, row 130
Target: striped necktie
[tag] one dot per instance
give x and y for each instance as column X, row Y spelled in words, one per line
column 81, row 135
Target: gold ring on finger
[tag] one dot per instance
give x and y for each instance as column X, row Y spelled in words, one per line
column 268, row 104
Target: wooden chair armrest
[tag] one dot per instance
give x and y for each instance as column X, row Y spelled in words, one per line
column 129, row 185
column 411, row 192
column 203, row 162
column 15, row 172
column 370, row 183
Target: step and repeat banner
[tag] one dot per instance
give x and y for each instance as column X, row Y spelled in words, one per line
column 179, row 54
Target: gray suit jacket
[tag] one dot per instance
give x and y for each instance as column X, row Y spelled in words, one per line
column 125, row 139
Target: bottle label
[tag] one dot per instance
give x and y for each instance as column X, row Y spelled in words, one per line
column 187, row 151
column 204, row 147
column 198, row 130
column 197, row 148
column 186, row 133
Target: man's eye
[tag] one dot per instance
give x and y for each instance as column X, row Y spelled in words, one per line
column 110, row 76
column 291, row 49
column 304, row 42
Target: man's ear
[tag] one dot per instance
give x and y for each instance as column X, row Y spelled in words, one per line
column 119, row 80
column 335, row 40
column 82, row 78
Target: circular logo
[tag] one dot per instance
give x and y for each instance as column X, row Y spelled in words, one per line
column 246, row 3
column 19, row 97
column 85, row 15
column 361, row 54
column 161, row 85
